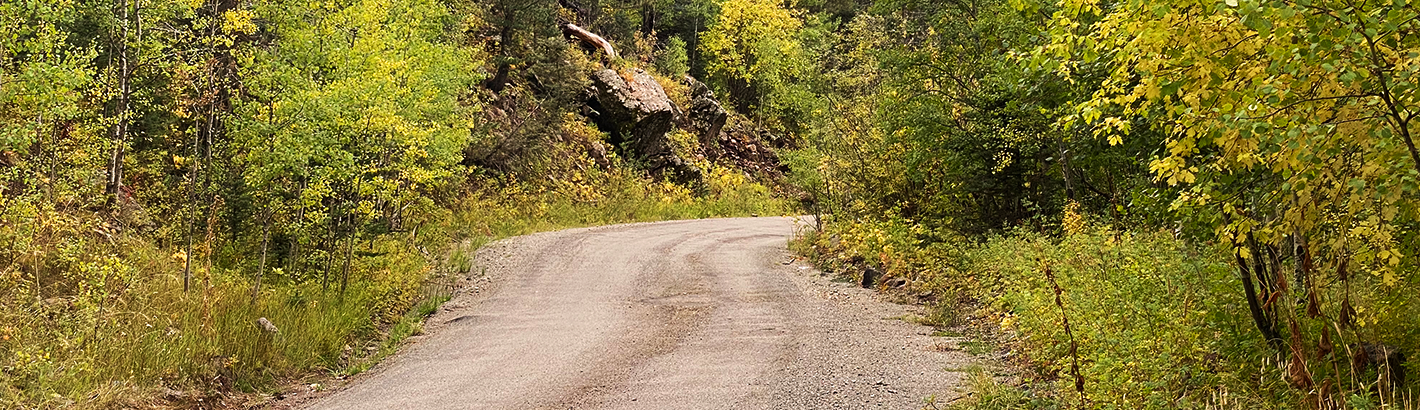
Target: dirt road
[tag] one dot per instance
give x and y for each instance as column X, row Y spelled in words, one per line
column 707, row 314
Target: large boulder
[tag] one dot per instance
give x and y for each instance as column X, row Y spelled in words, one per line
column 639, row 115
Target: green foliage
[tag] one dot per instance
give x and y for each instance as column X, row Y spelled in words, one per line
column 1289, row 139
column 753, row 50
column 1153, row 320
column 940, row 123
column 170, row 171
column 672, row 59
column 1325, row 129
column 44, row 75
column 355, row 119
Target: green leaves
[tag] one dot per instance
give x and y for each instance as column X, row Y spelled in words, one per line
column 1289, row 127
column 1316, row 72
column 754, row 48
column 358, row 112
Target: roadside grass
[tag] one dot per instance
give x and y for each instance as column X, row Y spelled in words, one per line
column 1155, row 322
column 109, row 325
column 412, row 324
column 985, row 392
column 977, row 347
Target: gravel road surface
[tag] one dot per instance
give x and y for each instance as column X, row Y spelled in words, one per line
column 704, row 314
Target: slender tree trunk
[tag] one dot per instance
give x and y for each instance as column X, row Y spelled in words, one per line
column 191, row 215
column 349, row 253
column 694, row 46
column 505, row 35
column 329, row 254
column 1114, row 206
column 1065, row 169
column 130, row 22
column 296, row 235
column 261, row 268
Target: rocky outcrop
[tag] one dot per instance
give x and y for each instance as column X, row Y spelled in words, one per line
column 742, row 143
column 704, row 117
column 638, row 114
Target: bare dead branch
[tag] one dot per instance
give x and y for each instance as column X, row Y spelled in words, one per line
column 590, row 38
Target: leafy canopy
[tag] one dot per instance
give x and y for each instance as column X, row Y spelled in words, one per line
column 753, row 45
column 1288, row 119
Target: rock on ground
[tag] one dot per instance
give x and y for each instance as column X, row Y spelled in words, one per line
column 639, row 115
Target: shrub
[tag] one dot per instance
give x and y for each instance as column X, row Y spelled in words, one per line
column 1152, row 318
column 672, row 60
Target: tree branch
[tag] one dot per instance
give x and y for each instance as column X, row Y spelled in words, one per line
column 590, row 38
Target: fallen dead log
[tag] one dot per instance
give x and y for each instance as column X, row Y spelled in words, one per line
column 591, row 38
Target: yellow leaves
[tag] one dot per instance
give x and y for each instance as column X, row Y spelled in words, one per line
column 1073, row 221
column 1151, row 89
column 744, row 32
column 1236, row 88
column 1008, row 321
column 238, row 22
column 1174, row 170
column 1248, row 159
column 1119, row 130
column 1389, row 278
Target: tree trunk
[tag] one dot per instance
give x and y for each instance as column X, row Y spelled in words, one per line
column 261, row 268
column 505, row 34
column 1065, row 169
column 742, row 95
column 191, row 215
column 590, row 38
column 1254, row 304
column 130, row 23
column 349, row 252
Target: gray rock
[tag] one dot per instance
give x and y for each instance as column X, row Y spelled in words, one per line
column 637, row 113
column 705, row 117
column 266, row 326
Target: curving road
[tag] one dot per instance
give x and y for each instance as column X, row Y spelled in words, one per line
column 706, row 314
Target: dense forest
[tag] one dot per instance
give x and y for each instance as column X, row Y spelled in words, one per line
column 1162, row 204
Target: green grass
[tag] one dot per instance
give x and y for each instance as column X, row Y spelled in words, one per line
column 1156, row 322
column 977, row 347
column 985, row 392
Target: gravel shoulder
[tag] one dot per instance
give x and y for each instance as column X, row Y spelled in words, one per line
column 700, row 314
